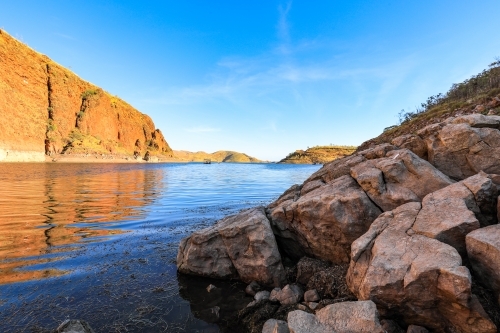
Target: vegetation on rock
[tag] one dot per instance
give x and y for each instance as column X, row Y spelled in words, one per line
column 318, row 154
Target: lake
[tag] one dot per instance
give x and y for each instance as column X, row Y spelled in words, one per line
column 98, row 241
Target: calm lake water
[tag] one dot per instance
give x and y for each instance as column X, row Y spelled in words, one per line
column 98, row 241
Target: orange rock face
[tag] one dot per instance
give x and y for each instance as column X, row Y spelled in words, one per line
column 47, row 109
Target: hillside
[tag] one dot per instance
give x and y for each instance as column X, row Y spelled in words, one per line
column 48, row 110
column 479, row 94
column 218, row 156
column 318, row 154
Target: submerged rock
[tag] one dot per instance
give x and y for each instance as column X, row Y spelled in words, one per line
column 74, row 326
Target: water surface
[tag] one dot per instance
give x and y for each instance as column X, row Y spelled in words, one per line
column 98, row 241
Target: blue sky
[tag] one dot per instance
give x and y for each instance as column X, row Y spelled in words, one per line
column 264, row 77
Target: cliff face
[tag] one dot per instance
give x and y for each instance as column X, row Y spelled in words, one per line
column 320, row 154
column 46, row 109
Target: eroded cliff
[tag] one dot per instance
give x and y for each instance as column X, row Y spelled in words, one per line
column 46, row 109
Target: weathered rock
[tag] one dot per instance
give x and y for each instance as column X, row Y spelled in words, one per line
column 412, row 142
column 211, row 287
column 290, row 294
column 398, row 178
column 307, row 267
column 324, row 222
column 360, row 317
column 390, row 326
column 275, row 326
column 413, row 277
column 483, row 249
column 311, row 296
column 252, row 288
column 312, row 305
column 262, row 295
column 303, row 322
column 465, row 146
column 74, row 326
column 241, row 245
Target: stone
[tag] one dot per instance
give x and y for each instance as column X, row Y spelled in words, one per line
column 301, row 307
column 74, row 326
column 416, row 329
column 303, row 322
column 311, row 296
column 307, row 267
column 410, row 276
column 290, row 294
column 359, row 317
column 483, row 249
column 262, row 295
column 466, row 146
column 448, row 216
column 324, row 222
column 411, row 142
column 239, row 246
column 252, row 288
column 275, row 326
column 398, row 178
column 211, row 287
column 312, row 305
column 273, row 297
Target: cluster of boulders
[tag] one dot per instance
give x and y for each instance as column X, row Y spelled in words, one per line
column 413, row 220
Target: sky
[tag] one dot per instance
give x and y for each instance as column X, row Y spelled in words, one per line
column 264, row 77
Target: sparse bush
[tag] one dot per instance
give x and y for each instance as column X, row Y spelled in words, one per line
column 89, row 93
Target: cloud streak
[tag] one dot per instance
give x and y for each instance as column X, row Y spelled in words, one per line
column 202, row 129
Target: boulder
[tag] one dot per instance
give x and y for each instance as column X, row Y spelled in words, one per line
column 303, row 322
column 411, row 142
column 239, row 246
column 324, row 222
column 311, row 296
column 360, row 317
column 465, row 146
column 414, row 277
column 346, row 317
column 483, row 249
column 275, row 326
column 398, row 178
column 290, row 294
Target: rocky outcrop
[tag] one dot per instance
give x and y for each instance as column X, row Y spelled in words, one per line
column 239, row 246
column 46, row 109
column 222, row 156
column 414, row 277
column 483, row 249
column 324, row 222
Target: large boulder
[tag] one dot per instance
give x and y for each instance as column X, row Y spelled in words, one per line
column 398, row 178
column 325, row 221
column 239, row 246
column 483, row 249
column 413, row 277
column 345, row 317
column 464, row 146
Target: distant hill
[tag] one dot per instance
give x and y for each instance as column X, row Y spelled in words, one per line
column 318, row 154
column 219, row 156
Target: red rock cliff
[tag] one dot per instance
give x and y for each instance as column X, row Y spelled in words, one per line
column 47, row 109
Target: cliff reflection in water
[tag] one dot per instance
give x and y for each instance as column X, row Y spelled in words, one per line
column 48, row 209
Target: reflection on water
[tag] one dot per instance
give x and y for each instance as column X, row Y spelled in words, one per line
column 49, row 205
column 98, row 242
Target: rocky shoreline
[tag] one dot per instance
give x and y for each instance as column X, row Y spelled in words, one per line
column 401, row 236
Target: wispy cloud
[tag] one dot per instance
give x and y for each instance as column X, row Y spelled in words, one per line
column 202, row 129
column 283, row 27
